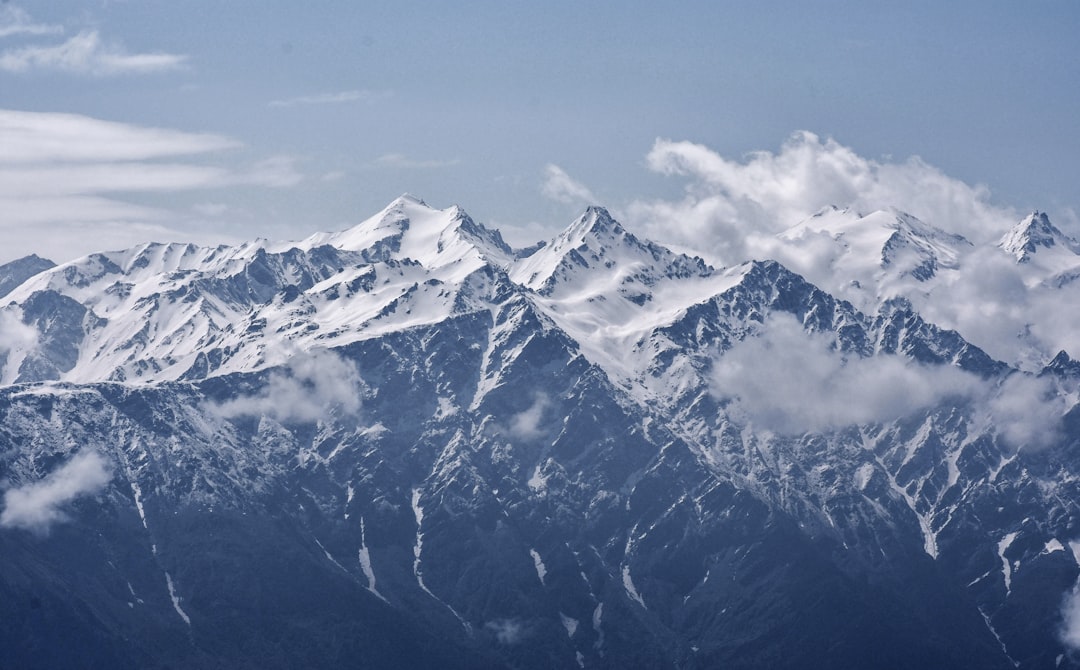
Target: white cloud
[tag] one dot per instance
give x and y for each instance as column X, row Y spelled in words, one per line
column 561, row 187
column 16, row 21
column 14, row 334
column 1070, row 626
column 86, row 53
column 403, row 162
column 1027, row 412
column 310, row 387
column 507, row 631
column 731, row 209
column 525, row 425
column 36, row 507
column 789, row 381
column 331, row 98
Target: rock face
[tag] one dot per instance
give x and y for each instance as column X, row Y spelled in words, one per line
column 408, row 445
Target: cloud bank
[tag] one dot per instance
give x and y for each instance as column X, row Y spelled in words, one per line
column 731, row 209
column 312, row 386
column 788, row 381
column 36, row 507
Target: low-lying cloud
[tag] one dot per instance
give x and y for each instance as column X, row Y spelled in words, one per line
column 526, row 425
column 312, row 386
column 789, row 381
column 507, row 631
column 37, row 506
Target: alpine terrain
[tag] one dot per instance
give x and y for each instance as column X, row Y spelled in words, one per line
column 409, row 445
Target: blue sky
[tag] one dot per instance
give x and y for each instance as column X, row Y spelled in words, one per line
column 285, row 119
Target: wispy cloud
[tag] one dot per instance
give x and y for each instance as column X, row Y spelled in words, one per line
column 526, row 425
column 37, row 137
column 87, row 54
column 401, row 161
column 331, row 98
column 507, row 631
column 37, row 506
column 16, row 21
column 65, row 176
column 561, row 187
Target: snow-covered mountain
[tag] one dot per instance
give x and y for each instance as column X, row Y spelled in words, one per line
column 408, row 445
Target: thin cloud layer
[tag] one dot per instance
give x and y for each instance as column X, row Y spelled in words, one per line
column 16, row 21
column 41, row 137
column 64, row 180
column 311, row 387
column 87, row 54
column 330, row 98
column 37, row 507
column 403, row 162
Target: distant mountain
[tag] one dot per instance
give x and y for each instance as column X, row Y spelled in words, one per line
column 408, row 445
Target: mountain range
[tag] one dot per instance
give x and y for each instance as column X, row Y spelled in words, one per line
column 408, row 444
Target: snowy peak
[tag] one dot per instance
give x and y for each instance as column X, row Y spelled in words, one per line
column 596, row 244
column 17, row 271
column 889, row 239
column 408, row 228
column 1036, row 232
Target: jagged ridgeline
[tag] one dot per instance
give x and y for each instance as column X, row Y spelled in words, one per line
column 409, row 445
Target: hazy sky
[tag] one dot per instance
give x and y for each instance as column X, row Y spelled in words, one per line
column 224, row 120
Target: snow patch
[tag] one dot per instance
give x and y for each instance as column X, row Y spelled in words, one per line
column 569, row 623
column 365, row 563
column 537, row 482
column 863, row 475
column 628, row 585
column 1006, row 566
column 597, row 620
column 541, row 569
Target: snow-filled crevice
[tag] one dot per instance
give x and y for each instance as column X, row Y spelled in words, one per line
column 418, row 547
column 364, row 556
